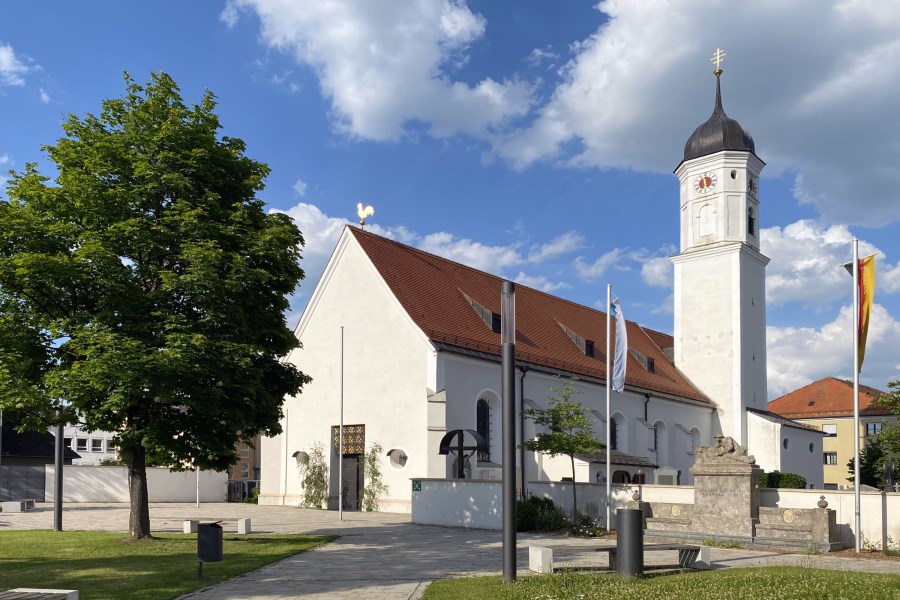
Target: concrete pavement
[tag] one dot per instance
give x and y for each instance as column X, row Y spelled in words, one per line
column 380, row 556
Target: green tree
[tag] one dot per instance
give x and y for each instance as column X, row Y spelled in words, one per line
column 145, row 289
column 568, row 430
column 871, row 464
column 890, row 434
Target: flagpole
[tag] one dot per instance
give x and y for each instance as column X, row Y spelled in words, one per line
column 341, row 439
column 856, row 499
column 608, row 394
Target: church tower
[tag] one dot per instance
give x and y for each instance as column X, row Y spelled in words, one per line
column 720, row 290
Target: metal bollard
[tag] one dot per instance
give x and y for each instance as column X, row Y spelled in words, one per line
column 209, row 545
column 630, row 542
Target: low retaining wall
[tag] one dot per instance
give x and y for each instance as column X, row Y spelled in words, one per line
column 88, row 483
column 458, row 503
column 478, row 504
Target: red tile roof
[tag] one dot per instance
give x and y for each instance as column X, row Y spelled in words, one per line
column 829, row 397
column 433, row 292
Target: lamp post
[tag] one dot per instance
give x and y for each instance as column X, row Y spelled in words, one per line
column 508, row 368
column 59, row 456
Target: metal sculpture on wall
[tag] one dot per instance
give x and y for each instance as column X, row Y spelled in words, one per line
column 454, row 442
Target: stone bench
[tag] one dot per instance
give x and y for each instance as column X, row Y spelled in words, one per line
column 784, row 532
column 191, row 525
column 38, row 594
column 14, row 506
column 540, row 558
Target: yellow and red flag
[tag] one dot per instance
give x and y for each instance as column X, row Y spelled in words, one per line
column 866, row 294
column 866, row 284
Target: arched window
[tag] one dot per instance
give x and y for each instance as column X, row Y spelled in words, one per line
column 661, row 442
column 706, row 218
column 618, row 435
column 695, row 440
column 751, row 221
column 483, row 426
column 621, row 477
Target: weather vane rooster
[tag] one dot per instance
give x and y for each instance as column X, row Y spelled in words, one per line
column 363, row 212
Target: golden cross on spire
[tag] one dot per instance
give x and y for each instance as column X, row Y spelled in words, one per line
column 718, row 57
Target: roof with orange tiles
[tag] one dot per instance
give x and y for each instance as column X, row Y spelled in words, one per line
column 436, row 294
column 828, row 397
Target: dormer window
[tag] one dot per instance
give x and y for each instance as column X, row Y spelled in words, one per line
column 586, row 346
column 491, row 319
column 589, row 348
column 646, row 361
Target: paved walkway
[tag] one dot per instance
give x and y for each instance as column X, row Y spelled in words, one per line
column 379, row 556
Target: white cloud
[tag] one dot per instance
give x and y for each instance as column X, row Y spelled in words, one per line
column 320, row 235
column 818, row 97
column 4, row 159
column 12, row 70
column 658, row 272
column 45, row 97
column 595, row 270
column 386, row 65
column 540, row 283
column 300, row 187
column 800, row 355
column 230, row 14
column 539, row 55
column 558, row 246
column 492, row 259
column 806, row 259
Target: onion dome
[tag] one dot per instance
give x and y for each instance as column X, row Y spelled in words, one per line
column 718, row 133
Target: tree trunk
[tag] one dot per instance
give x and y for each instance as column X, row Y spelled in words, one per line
column 574, row 492
column 139, row 515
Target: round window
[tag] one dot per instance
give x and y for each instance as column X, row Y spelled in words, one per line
column 784, row 443
column 398, row 458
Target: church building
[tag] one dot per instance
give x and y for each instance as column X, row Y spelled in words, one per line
column 404, row 346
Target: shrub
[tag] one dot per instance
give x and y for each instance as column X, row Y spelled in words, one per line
column 315, row 477
column 588, row 526
column 375, row 487
column 551, row 520
column 527, row 511
column 775, row 479
column 254, row 496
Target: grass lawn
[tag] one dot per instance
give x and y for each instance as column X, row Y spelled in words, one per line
column 751, row 584
column 104, row 565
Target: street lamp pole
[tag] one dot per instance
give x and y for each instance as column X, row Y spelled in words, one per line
column 508, row 369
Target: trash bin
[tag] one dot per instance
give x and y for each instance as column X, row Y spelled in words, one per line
column 209, row 542
column 630, row 542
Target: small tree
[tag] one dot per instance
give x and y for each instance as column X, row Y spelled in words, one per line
column 315, row 477
column 374, row 487
column 568, row 430
column 871, row 464
column 889, row 438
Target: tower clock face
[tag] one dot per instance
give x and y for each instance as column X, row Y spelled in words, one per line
column 705, row 182
column 752, row 185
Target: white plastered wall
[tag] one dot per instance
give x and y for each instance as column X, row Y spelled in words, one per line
column 802, row 456
column 386, row 376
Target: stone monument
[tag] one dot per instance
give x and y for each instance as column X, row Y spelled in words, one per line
column 726, row 507
column 726, row 490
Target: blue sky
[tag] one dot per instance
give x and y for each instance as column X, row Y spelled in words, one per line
column 534, row 140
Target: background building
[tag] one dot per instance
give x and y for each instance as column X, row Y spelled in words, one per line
column 827, row 404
